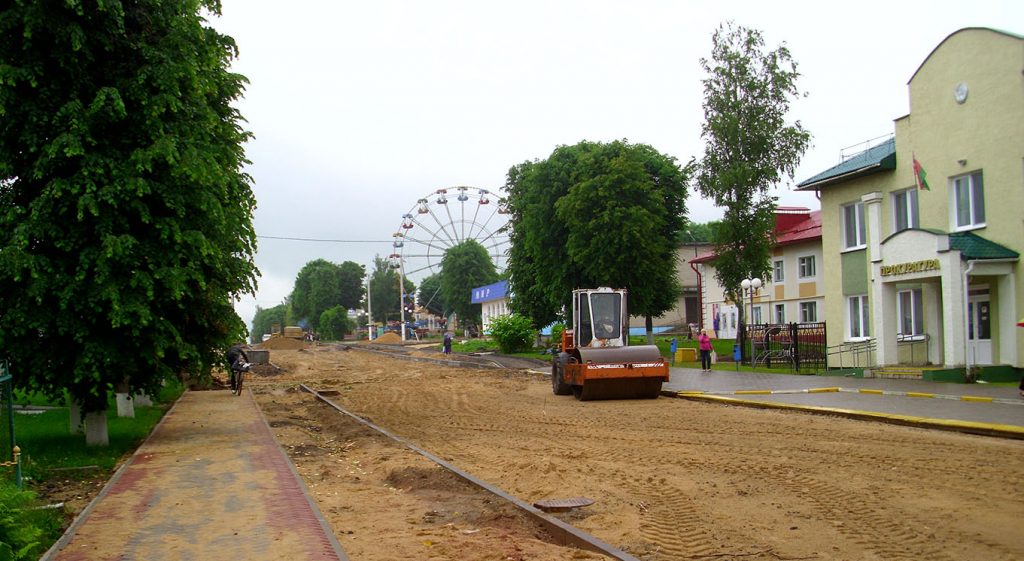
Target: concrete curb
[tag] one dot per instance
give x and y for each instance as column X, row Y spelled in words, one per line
column 329, row 535
column 970, row 398
column 970, row 427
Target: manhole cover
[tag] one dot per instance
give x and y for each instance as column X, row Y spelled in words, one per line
column 562, row 505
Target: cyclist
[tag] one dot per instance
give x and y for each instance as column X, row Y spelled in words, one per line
column 238, row 361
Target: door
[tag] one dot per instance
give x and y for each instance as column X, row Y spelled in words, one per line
column 979, row 329
column 727, row 321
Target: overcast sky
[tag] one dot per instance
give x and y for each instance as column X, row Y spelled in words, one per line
column 361, row 108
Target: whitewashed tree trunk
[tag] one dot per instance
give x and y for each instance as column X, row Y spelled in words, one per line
column 96, row 429
column 125, row 405
column 143, row 400
column 75, row 418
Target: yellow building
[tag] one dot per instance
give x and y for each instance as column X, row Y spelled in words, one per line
column 930, row 274
column 793, row 291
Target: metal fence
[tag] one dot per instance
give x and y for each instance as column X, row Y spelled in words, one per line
column 10, row 454
column 853, row 354
column 797, row 346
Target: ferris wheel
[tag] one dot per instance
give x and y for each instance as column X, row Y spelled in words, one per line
column 445, row 218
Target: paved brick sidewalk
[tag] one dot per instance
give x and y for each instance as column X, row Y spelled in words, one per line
column 210, row 483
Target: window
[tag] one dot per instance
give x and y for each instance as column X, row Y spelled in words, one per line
column 806, row 266
column 755, row 315
column 904, row 210
column 853, row 226
column 908, row 309
column 857, row 313
column 969, row 201
column 808, row 312
column 778, row 271
column 780, row 313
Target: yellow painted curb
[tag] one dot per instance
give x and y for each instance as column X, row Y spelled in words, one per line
column 690, row 393
column 919, row 394
column 822, row 390
column 976, row 398
column 875, row 392
column 988, row 429
column 753, row 392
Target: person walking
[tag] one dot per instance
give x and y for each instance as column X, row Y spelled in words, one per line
column 704, row 344
column 447, row 343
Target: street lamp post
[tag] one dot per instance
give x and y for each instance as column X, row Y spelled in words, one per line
column 751, row 286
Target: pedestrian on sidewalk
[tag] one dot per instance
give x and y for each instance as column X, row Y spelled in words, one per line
column 704, row 343
column 447, row 343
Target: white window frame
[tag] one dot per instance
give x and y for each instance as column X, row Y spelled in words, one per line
column 858, row 325
column 916, row 313
column 805, row 307
column 860, row 240
column 778, row 270
column 910, row 214
column 805, row 263
column 780, row 313
column 972, row 185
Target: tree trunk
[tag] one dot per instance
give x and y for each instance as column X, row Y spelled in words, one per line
column 75, row 419
column 649, row 324
column 143, row 400
column 125, row 406
column 96, row 429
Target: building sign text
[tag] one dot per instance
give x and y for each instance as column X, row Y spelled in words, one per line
column 908, row 268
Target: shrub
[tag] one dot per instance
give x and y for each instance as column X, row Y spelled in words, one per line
column 334, row 323
column 513, row 333
column 556, row 334
column 24, row 529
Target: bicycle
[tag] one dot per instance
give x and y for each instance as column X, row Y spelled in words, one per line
column 238, row 370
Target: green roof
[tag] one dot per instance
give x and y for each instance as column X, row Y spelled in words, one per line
column 879, row 157
column 972, row 246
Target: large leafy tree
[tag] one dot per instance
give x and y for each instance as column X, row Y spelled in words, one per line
column 539, row 270
column 430, row 296
column 592, row 215
column 317, row 288
column 749, row 147
column 384, row 293
column 125, row 217
column 351, row 285
column 699, row 233
column 265, row 319
column 465, row 266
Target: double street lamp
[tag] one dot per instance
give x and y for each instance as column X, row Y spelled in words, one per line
column 750, row 287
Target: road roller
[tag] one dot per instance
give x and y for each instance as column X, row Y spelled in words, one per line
column 594, row 359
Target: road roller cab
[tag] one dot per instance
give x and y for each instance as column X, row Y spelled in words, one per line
column 595, row 360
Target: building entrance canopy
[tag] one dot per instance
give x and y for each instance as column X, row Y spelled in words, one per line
column 941, row 271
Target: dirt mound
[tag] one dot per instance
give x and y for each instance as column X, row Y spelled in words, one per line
column 282, row 343
column 388, row 338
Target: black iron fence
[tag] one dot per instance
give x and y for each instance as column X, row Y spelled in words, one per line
column 798, row 346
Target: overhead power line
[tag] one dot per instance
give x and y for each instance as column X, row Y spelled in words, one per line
column 320, row 240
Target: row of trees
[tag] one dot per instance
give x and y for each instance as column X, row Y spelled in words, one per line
column 324, row 292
